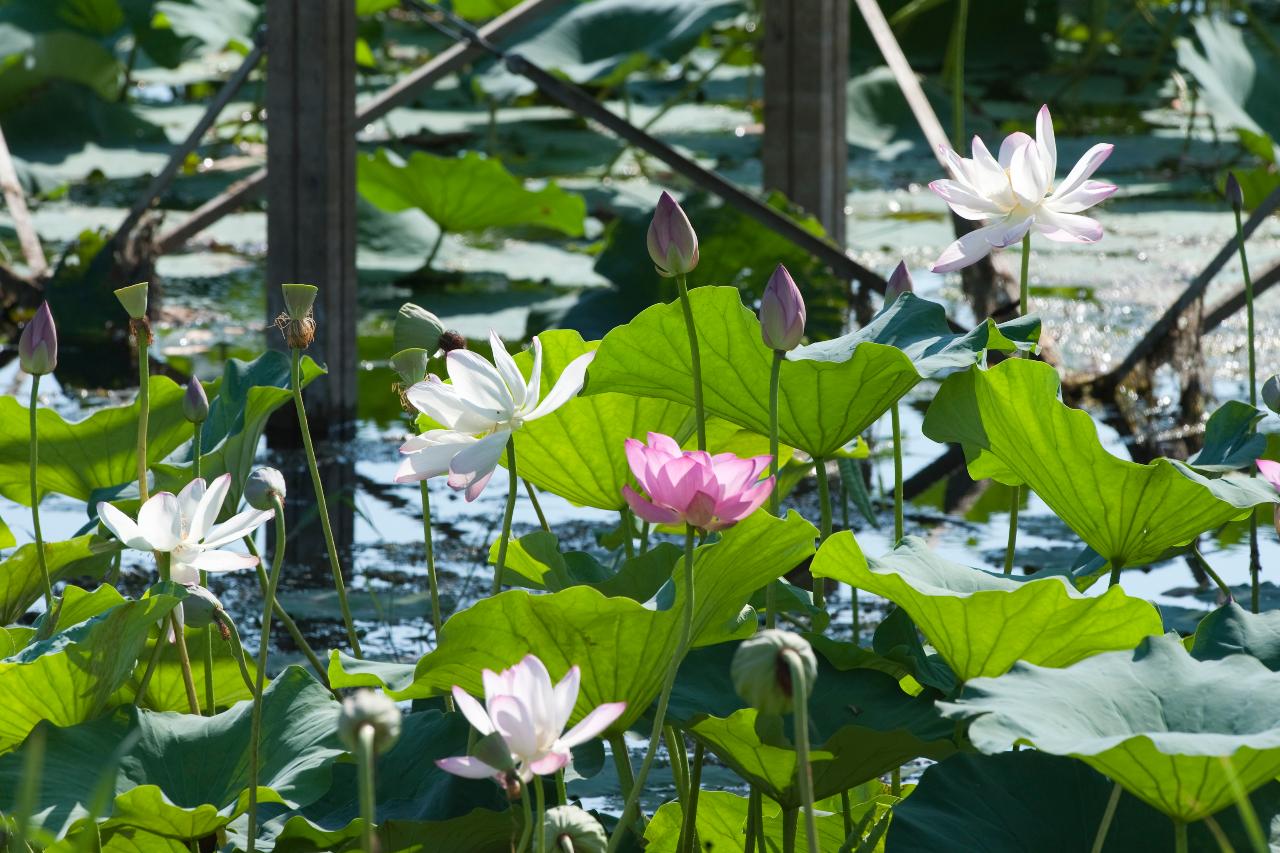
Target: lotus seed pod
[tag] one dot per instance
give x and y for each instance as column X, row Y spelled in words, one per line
column 1271, row 394
column 201, row 607
column 1235, row 195
column 411, row 365
column 195, row 403
column 569, row 829
column 782, row 312
column 134, row 300
column 367, row 708
column 761, row 675
column 298, row 299
column 899, row 283
column 416, row 328
column 263, row 488
column 38, row 345
column 672, row 242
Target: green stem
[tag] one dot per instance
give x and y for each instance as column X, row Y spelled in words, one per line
column 505, row 539
column 759, row 822
column 629, row 547
column 775, row 497
column 689, row 831
column 824, row 509
column 184, row 662
column 541, row 796
column 435, row 248
column 152, row 662
column 264, row 653
column 800, row 689
column 644, row 538
column 1100, row 839
column 527, row 831
column 237, row 651
column 898, row 526
column 1255, row 562
column 895, row 782
column 1208, row 570
column 141, row 333
column 537, row 506
column 695, row 361
column 622, row 763
column 562, row 791
column 1024, row 304
column 33, row 462
column 32, row 769
column 1011, row 546
column 210, row 698
column 1179, row 836
column 1248, row 815
column 957, row 74
column 322, row 506
column 844, row 811
column 368, row 796
column 429, row 553
column 679, row 761
column 660, row 714
column 789, row 823
column 753, row 799
column 290, row 626
column 1116, row 567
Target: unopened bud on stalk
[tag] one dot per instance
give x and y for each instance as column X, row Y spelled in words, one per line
column 201, row 608
column 134, row 300
column 673, row 244
column 761, row 674
column 1235, row 195
column 367, row 708
column 1271, row 394
column 195, row 403
column 782, row 312
column 38, row 345
column 569, row 829
column 263, row 488
column 899, row 283
column 297, row 323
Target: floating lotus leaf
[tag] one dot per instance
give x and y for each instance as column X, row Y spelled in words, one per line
column 1023, row 801
column 1156, row 720
column 21, row 584
column 829, row 392
column 1014, row 429
column 981, row 622
column 1232, row 630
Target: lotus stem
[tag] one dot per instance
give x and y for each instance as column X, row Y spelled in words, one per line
column 562, row 792
column 1180, row 836
column 804, row 773
column 844, row 810
column 1248, row 815
column 1012, row 543
column 526, row 831
column 29, row 793
column 1024, row 304
column 290, row 626
column 679, row 765
column 537, row 506
column 505, row 539
column 660, row 714
column 1100, row 839
column 896, row 422
column 628, row 545
column 695, row 361
column 957, row 74
column 541, row 797
column 1208, row 570
column 295, row 375
column 689, row 831
column 264, row 653
column 152, row 662
column 775, row 498
column 184, row 662
column 895, row 782
column 368, row 797
column 435, row 248
column 824, row 509
column 237, row 652
column 209, row 696
column 1255, row 561
column 759, row 821
column 142, row 334
column 622, row 766
column 789, row 825
column 33, row 462
column 1116, row 567
column 753, row 805
column 429, row 554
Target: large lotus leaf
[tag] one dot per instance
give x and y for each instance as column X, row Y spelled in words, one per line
column 7, row 539
column 1231, row 439
column 396, row 679
column 1022, row 801
column 616, row 641
column 183, row 772
column 829, row 393
column 1156, row 720
column 535, row 561
column 99, row 452
column 463, row 194
column 722, row 820
column 167, row 690
column 982, row 622
column 1014, row 429
column 1232, row 76
column 1232, row 630
column 577, row 451
column 480, row 831
column 20, row 581
column 217, row 24
column 72, row 676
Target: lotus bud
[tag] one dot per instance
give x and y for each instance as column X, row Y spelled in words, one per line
column 134, row 300
column 195, row 403
column 899, row 283
column 1235, row 195
column 367, row 708
column 569, row 829
column 1271, row 394
column 782, row 312
column 263, row 488
column 416, row 328
column 411, row 365
column 38, row 345
column 673, row 244
column 452, row 340
column 297, row 323
column 201, row 608
column 761, row 675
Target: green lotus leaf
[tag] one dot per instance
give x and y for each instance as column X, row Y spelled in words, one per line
column 464, row 194
column 577, row 451
column 1231, row 439
column 535, row 561
column 394, row 678
column 1232, row 630
column 982, row 622
column 829, row 392
column 7, row 539
column 480, row 831
column 615, row 640
column 1014, row 429
column 1016, row 802
column 1156, row 720
column 21, row 584
column 167, row 691
column 722, row 820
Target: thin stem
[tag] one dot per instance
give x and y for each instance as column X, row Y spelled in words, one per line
column 237, row 651
column 1100, row 838
column 628, row 546
column 753, row 800
column 562, row 792
column 210, row 699
column 1179, row 836
column 32, row 769
column 290, row 626
column 1116, row 567
column 368, row 797
column 505, row 539
column 33, row 462
column 295, row 374
column 141, row 333
column 184, row 662
column 689, row 831
column 789, row 824
column 152, row 662
column 1024, row 306
column 804, row 773
column 1224, row 843
column 1024, row 283
column 895, row 782
column 537, row 506
column 429, row 554
column 695, row 361
column 957, row 74
column 898, row 526
column 435, row 248
column 679, row 761
column 644, row 538
column 1248, row 815
column 622, row 763
column 844, row 811
column 775, row 498
column 660, row 715
column 824, row 509
column 541, row 798
column 1208, row 570
column 1255, row 562
column 759, row 822
column 1012, row 544
column 527, row 832
column 264, row 653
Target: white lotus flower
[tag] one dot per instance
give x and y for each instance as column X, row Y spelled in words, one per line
column 523, row 706
column 484, row 405
column 1017, row 191
column 182, row 526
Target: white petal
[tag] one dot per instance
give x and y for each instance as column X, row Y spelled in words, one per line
column 180, row 571
column 433, row 453
column 507, row 369
column 965, row 202
column 222, row 561
column 473, row 711
column 593, row 724
column 969, row 249
column 471, row 468
column 206, row 512
column 160, row 521
column 1046, row 145
column 1082, row 197
column 1027, row 177
column 440, row 402
column 534, row 390
column 238, row 526
column 189, row 499
column 467, row 767
column 1068, row 227
column 124, row 527
column 1084, row 168
column 566, row 387
column 512, row 720
column 566, row 696
column 479, row 386
column 1012, row 143
column 1009, row 231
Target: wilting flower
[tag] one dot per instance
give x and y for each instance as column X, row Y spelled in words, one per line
column 484, row 405
column 673, row 244
column 782, row 312
column 1018, row 191
column 529, row 714
column 38, row 344
column 183, row 527
column 692, row 486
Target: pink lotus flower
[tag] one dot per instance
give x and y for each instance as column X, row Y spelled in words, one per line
column 38, row 345
column 693, row 487
column 1270, row 471
column 530, row 714
column 672, row 242
column 782, row 312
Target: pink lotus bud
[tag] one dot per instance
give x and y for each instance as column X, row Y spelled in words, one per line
column 899, row 283
column 782, row 312
column 195, row 402
column 673, row 245
column 38, row 346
